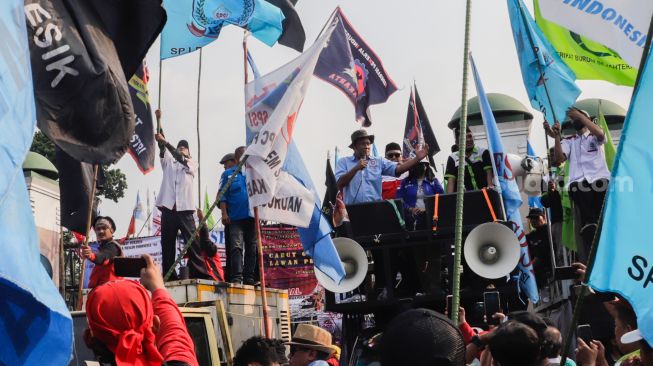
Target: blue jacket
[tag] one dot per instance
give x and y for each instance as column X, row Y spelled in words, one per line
column 408, row 190
column 236, row 196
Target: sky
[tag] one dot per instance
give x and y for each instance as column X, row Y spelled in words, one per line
column 417, row 40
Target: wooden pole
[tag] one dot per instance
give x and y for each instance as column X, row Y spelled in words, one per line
column 89, row 217
column 259, row 242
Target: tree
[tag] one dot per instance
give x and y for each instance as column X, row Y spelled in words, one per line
column 115, row 181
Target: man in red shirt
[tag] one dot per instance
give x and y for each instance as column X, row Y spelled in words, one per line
column 391, row 184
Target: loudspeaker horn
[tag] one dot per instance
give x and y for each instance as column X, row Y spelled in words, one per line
column 492, row 250
column 354, row 260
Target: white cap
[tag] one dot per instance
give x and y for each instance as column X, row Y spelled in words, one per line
column 631, row 337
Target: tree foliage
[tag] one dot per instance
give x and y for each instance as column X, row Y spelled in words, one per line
column 115, row 181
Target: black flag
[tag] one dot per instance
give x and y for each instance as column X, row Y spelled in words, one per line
column 329, row 201
column 75, row 183
column 141, row 145
column 80, row 53
column 293, row 35
column 418, row 128
column 373, row 84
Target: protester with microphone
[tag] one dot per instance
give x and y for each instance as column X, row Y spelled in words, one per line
column 175, row 199
column 360, row 175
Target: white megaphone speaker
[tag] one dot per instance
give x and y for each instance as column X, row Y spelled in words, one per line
column 492, row 250
column 354, row 259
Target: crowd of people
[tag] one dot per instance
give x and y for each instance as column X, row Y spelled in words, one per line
column 156, row 333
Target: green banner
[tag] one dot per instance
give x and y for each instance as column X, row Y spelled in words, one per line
column 609, row 148
column 588, row 59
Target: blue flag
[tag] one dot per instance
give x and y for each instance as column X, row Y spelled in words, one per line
column 509, row 190
column 35, row 325
column 192, row 24
column 541, row 67
column 624, row 259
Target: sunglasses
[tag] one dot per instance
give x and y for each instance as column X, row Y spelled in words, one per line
column 392, row 155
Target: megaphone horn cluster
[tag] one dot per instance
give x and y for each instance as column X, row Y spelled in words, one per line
column 354, row 260
column 492, row 250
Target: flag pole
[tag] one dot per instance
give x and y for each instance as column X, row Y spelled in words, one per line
column 458, row 236
column 199, row 149
column 597, row 234
column 259, row 242
column 89, row 217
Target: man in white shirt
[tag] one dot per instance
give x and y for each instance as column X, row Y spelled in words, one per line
column 176, row 198
column 588, row 171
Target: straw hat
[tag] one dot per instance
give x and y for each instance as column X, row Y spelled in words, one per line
column 312, row 337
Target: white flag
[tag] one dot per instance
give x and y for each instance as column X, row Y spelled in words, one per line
column 619, row 24
column 272, row 105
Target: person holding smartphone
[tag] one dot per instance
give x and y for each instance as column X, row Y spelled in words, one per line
column 104, row 227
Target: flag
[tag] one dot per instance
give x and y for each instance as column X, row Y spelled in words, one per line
column 608, row 146
column 329, row 201
column 509, row 190
column 621, row 25
column 418, row 128
column 75, row 185
column 365, row 81
column 568, row 222
column 588, row 59
column 80, row 72
column 210, row 222
column 35, row 325
column 623, row 257
column 264, row 103
column 533, row 201
column 141, row 144
column 138, row 209
column 541, row 67
column 293, row 35
column 131, row 229
column 192, row 24
column 156, row 221
column 271, row 117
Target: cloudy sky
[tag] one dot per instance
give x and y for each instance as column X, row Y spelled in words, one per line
column 419, row 40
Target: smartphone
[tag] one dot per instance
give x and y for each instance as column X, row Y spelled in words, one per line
column 584, row 332
column 128, row 267
column 492, row 304
column 566, row 273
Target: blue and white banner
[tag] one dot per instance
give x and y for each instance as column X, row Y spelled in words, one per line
column 192, row 24
column 549, row 82
column 509, row 190
column 621, row 25
column 35, row 325
column 624, row 259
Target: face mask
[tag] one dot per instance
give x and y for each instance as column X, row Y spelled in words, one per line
column 578, row 125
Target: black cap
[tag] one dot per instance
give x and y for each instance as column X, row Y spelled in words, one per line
column 393, row 146
column 113, row 224
column 422, row 337
column 359, row 134
column 535, row 212
column 183, row 143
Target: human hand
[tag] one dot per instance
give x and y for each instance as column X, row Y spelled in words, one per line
column 151, row 277
column 200, row 214
column 586, row 354
column 552, row 186
column 556, row 129
column 159, row 137
column 547, row 128
column 87, row 252
column 575, row 114
column 157, row 113
column 226, row 220
column 461, row 316
column 581, row 269
column 422, row 151
column 362, row 164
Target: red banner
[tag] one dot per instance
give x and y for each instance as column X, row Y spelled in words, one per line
column 286, row 264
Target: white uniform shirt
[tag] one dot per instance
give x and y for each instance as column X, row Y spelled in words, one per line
column 177, row 188
column 586, row 158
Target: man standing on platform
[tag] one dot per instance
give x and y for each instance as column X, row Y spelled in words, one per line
column 241, row 255
column 175, row 198
column 360, row 175
column 478, row 172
